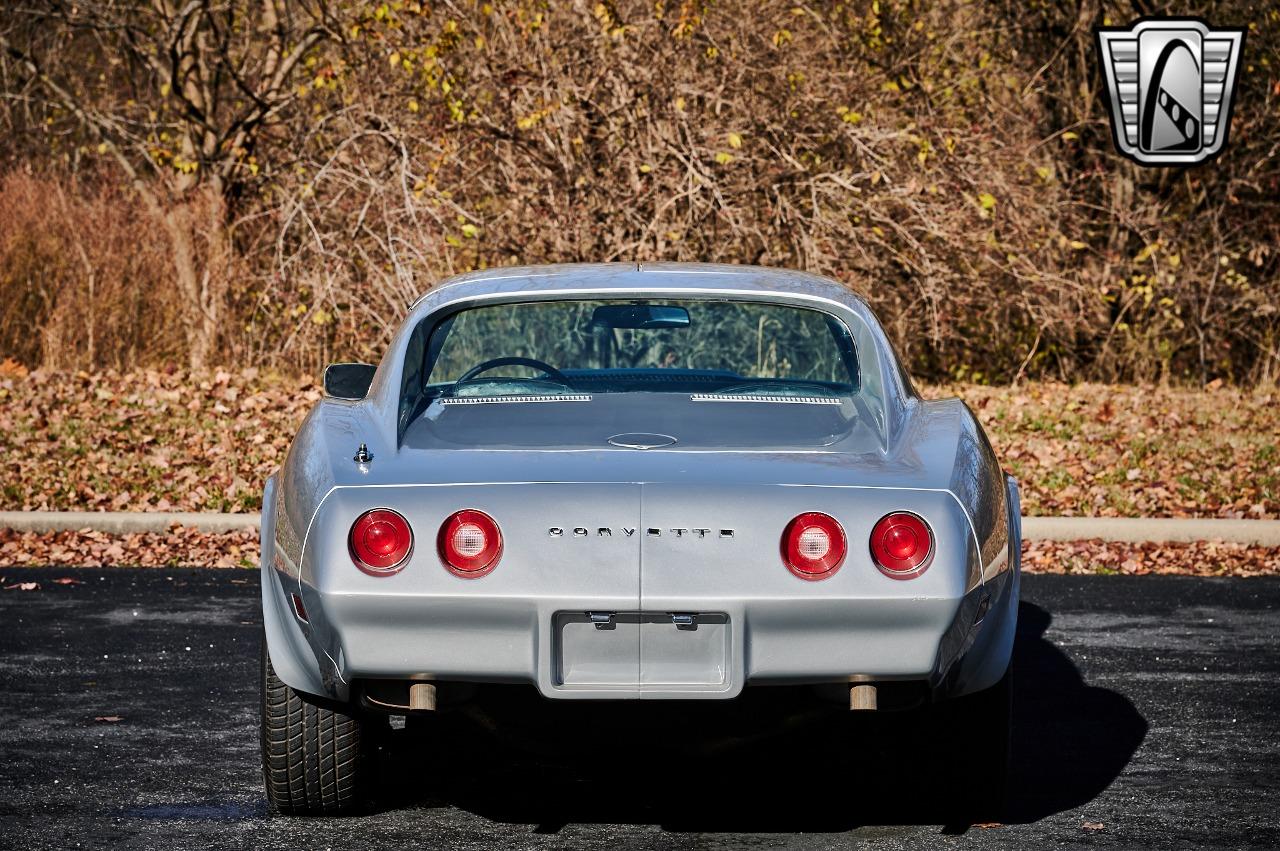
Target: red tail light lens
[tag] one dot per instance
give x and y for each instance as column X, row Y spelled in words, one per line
column 380, row 542
column 470, row 543
column 813, row 545
column 902, row 545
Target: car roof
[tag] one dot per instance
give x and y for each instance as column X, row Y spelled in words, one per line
column 645, row 280
column 625, row 277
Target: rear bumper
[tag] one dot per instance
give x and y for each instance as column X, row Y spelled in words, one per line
column 529, row 622
column 708, row 651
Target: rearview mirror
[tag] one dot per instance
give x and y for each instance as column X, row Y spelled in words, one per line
column 646, row 316
column 348, row 380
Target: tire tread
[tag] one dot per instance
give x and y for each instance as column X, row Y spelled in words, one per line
column 312, row 759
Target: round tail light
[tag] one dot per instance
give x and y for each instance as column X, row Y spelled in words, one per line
column 902, row 545
column 380, row 542
column 470, row 543
column 813, row 545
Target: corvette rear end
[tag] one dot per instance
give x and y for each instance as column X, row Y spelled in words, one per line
column 631, row 482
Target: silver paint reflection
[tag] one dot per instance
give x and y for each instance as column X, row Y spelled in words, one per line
column 692, row 526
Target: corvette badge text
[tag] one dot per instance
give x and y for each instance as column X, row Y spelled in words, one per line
column 1170, row 83
column 627, row 532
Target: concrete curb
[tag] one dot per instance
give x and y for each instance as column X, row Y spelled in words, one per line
column 124, row 522
column 1131, row 529
column 1152, row 529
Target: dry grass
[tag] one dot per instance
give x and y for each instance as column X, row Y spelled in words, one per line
column 83, row 280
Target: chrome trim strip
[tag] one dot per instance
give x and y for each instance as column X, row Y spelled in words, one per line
column 783, row 400
column 504, row 400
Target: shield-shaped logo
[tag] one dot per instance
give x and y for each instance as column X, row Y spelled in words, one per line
column 1169, row 83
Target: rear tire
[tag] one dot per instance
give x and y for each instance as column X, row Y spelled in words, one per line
column 976, row 732
column 312, row 757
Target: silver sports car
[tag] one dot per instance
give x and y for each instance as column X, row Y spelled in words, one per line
column 632, row 482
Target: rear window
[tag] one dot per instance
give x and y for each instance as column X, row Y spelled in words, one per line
column 651, row 346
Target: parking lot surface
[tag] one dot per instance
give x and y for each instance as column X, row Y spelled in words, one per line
column 1146, row 716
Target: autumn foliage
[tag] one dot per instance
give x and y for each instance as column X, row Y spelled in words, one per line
column 284, row 176
column 175, row 441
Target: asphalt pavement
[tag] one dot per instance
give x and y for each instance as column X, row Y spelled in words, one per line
column 1146, row 716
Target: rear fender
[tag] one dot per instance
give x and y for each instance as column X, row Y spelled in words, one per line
column 287, row 646
column 987, row 659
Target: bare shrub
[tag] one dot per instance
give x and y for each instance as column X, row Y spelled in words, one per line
column 175, row 97
column 83, row 280
column 950, row 161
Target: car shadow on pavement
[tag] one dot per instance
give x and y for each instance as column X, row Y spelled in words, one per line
column 1070, row 739
column 776, row 760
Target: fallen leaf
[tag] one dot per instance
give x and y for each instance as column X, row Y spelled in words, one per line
column 1200, row 454
column 1198, row 558
column 10, row 367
